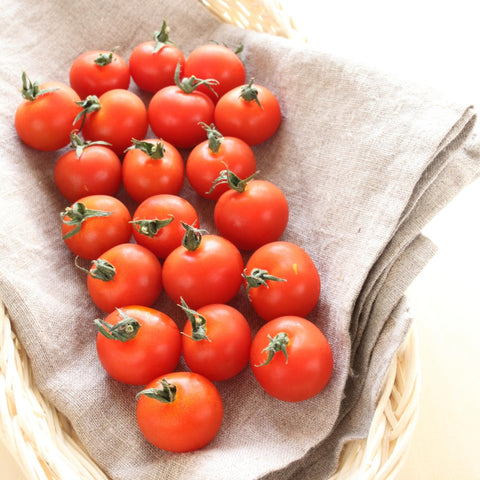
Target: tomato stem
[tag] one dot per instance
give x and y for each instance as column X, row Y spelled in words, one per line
column 192, row 238
column 232, row 180
column 79, row 145
column 104, row 59
column 125, row 330
column 78, row 213
column 190, row 84
column 214, row 137
column 166, row 394
column 198, row 322
column 161, row 37
column 259, row 277
column 103, row 270
column 89, row 105
column 154, row 150
column 249, row 93
column 150, row 227
column 277, row 344
column 30, row 91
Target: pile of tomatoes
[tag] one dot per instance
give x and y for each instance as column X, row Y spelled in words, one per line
column 205, row 117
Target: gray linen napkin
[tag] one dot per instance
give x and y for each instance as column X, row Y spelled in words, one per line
column 364, row 160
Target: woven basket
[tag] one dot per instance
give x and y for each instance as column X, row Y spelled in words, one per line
column 42, row 440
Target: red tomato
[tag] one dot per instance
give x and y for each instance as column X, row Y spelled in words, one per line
column 89, row 169
column 176, row 112
column 281, row 279
column 252, row 214
column 152, row 167
column 157, row 223
column 291, row 359
column 127, row 274
column 46, row 116
column 209, row 158
column 205, row 269
column 180, row 412
column 137, row 344
column 94, row 224
column 152, row 64
column 115, row 117
column 250, row 112
column 216, row 341
column 97, row 71
column 218, row 62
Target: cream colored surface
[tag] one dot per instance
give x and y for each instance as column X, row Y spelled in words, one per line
column 436, row 43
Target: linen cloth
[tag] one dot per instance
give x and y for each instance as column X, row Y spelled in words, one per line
column 365, row 162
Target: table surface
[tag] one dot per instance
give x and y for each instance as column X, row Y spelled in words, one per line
column 433, row 42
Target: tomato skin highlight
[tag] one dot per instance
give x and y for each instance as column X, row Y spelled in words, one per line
column 45, row 123
column 226, row 351
column 137, row 281
column 154, row 351
column 310, row 360
column 254, row 217
column 190, row 422
column 298, row 295
column 209, row 274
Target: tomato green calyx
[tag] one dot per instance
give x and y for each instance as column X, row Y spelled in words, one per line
column 77, row 214
column 190, row 84
column 161, row 38
column 125, row 330
column 214, row 137
column 79, row 145
column 102, row 270
column 277, row 344
column 192, row 238
column 150, row 227
column 105, row 58
column 30, row 91
column 259, row 277
column 166, row 394
column 198, row 322
column 89, row 105
column 155, row 150
column 249, row 93
column 232, row 180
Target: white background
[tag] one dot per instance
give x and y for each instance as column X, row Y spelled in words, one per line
column 434, row 43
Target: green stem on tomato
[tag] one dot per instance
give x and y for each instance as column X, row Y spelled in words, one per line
column 232, row 180
column 197, row 321
column 162, row 37
column 214, row 137
column 77, row 214
column 103, row 269
column 277, row 344
column 104, row 59
column 89, row 105
column 125, row 330
column 166, row 394
column 259, row 277
column 79, row 145
column 249, row 93
column 154, row 150
column 192, row 238
column 150, row 227
column 190, row 84
column 31, row 90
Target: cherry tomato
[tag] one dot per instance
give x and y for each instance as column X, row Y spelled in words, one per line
column 212, row 156
column 252, row 213
column 46, row 116
column 136, row 344
column 152, row 64
column 157, row 223
column 216, row 341
column 95, row 72
column 115, row 117
column 281, row 279
column 218, row 62
column 250, row 112
column 152, row 167
column 90, row 168
column 126, row 274
column 176, row 112
column 94, row 224
column 180, row 412
column 291, row 359
column 204, row 269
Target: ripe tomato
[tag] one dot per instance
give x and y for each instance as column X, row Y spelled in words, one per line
column 46, row 116
column 250, row 112
column 180, row 412
column 252, row 213
column 218, row 62
column 95, row 72
column 94, row 224
column 216, row 341
column 176, row 112
column 157, row 223
column 137, row 344
column 210, row 157
column 126, row 274
column 281, row 279
column 115, row 117
column 151, row 167
column 203, row 270
column 90, row 168
column 152, row 64
column 291, row 359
